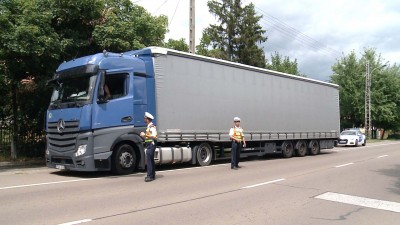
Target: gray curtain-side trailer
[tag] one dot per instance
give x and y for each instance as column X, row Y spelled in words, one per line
column 197, row 98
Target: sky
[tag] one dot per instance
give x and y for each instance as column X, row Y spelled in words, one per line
column 315, row 33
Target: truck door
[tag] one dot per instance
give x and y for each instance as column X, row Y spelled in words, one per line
column 139, row 98
column 118, row 110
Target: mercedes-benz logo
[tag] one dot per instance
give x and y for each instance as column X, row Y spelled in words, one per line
column 61, row 126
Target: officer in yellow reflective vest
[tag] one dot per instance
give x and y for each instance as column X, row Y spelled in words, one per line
column 149, row 139
column 237, row 137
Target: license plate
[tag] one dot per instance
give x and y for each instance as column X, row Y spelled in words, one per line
column 60, row 167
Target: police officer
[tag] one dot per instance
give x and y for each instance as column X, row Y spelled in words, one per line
column 149, row 139
column 237, row 137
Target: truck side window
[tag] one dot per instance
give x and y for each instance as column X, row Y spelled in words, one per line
column 117, row 85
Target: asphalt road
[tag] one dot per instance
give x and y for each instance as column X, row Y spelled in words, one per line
column 345, row 185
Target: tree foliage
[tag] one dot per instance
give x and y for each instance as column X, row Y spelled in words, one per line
column 28, row 47
column 349, row 74
column 125, row 26
column 237, row 36
column 179, row 45
column 36, row 35
column 283, row 64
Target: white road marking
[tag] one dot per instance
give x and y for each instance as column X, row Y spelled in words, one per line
column 347, row 164
column 361, row 201
column 40, row 184
column 382, row 156
column 76, row 222
column 192, row 168
column 256, row 185
column 341, row 149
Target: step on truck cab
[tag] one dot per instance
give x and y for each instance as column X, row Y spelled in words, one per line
column 96, row 111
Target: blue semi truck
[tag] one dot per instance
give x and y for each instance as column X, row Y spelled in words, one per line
column 194, row 100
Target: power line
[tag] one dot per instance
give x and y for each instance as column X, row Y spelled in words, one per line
column 291, row 32
column 160, row 6
column 174, row 13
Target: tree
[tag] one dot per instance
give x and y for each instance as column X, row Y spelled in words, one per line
column 125, row 26
column 385, row 100
column 283, row 65
column 74, row 23
column 179, row 45
column 28, row 45
column 236, row 37
column 36, row 35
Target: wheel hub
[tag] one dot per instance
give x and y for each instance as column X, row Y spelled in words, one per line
column 126, row 160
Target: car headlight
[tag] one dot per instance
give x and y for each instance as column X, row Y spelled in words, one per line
column 81, row 150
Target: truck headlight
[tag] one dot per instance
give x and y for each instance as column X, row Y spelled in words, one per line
column 47, row 152
column 81, row 150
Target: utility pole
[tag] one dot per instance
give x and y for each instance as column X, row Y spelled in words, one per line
column 367, row 121
column 192, row 29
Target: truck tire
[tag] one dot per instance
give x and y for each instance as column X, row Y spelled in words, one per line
column 123, row 160
column 301, row 148
column 314, row 147
column 287, row 149
column 204, row 154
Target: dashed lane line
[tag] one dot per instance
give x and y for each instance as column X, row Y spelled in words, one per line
column 347, row 164
column 48, row 183
column 76, row 222
column 260, row 184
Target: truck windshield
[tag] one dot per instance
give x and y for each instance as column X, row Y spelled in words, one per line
column 77, row 89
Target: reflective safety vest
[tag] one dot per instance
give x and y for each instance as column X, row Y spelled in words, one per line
column 238, row 133
column 149, row 135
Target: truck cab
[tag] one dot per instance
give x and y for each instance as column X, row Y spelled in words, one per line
column 87, row 131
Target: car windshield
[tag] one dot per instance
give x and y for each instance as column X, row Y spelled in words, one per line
column 347, row 132
column 73, row 89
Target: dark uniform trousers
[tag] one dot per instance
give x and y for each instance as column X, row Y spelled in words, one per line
column 236, row 147
column 151, row 167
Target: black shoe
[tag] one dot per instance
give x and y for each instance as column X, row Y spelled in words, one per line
column 148, row 179
column 238, row 166
column 234, row 168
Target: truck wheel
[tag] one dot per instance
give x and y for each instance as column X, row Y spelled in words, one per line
column 314, row 147
column 287, row 149
column 204, row 154
column 123, row 160
column 301, row 148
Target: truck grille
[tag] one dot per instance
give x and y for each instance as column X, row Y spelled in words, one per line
column 65, row 141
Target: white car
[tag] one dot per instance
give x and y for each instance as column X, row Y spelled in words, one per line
column 352, row 138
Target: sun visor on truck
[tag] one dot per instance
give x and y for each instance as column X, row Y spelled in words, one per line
column 73, row 73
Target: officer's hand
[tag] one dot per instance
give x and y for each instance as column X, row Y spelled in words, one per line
column 244, row 145
column 142, row 134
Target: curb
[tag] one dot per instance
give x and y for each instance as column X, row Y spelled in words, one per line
column 23, row 164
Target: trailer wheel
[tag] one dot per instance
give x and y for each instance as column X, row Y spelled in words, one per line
column 314, row 147
column 287, row 149
column 301, row 148
column 123, row 159
column 204, row 154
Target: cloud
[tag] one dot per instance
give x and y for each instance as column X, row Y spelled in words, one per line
column 316, row 33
